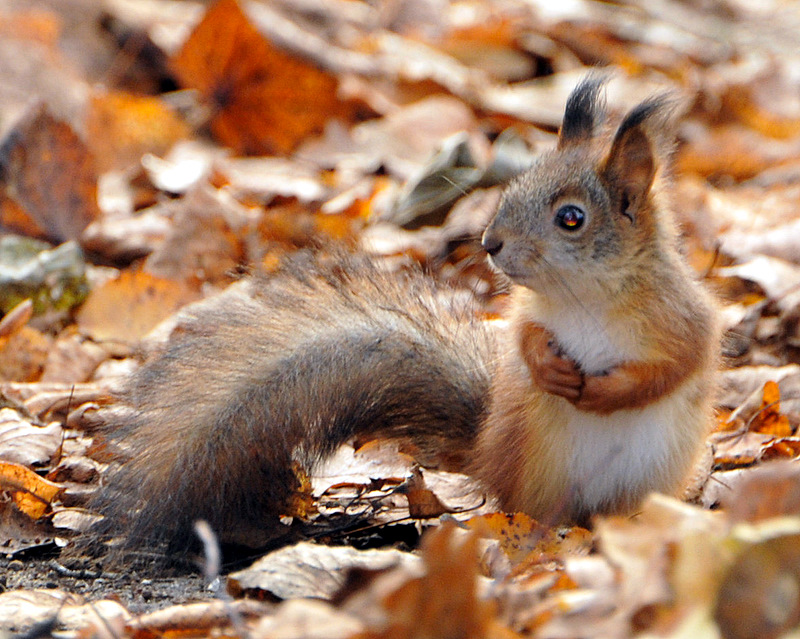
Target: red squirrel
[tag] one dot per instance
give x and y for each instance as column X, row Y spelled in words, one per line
column 597, row 393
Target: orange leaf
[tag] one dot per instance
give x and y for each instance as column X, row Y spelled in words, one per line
column 127, row 308
column 15, row 219
column 50, row 174
column 32, row 494
column 769, row 419
column 784, row 448
column 517, row 533
column 123, row 127
column 264, row 100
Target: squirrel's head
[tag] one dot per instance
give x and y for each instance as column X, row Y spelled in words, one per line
column 587, row 208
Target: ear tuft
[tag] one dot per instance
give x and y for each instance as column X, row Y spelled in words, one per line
column 652, row 115
column 585, row 108
column 635, row 152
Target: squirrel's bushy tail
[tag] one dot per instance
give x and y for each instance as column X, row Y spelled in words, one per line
column 251, row 382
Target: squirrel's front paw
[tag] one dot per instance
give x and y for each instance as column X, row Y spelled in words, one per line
column 607, row 392
column 550, row 370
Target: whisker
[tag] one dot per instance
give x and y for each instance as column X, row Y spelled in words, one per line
column 455, row 185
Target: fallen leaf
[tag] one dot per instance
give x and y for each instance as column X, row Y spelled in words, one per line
column 38, row 25
column 263, row 100
column 25, row 444
column 22, row 610
column 760, row 594
column 16, row 318
column 23, row 355
column 311, row 570
column 127, row 308
column 769, row 419
column 444, row 601
column 46, row 169
column 310, row 619
column 186, row 165
column 760, row 493
column 74, row 519
column 32, row 494
column 517, row 533
column 422, row 501
column 122, row 127
column 206, row 241
column 734, row 450
column 784, row 448
column 42, row 398
column 73, row 359
column 201, row 616
column 124, row 239
column 19, row 533
column 732, row 150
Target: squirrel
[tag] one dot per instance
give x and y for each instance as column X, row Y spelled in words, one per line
column 598, row 392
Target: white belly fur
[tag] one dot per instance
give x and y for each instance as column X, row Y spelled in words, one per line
column 614, row 460
column 631, row 452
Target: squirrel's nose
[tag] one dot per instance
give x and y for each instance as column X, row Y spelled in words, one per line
column 491, row 243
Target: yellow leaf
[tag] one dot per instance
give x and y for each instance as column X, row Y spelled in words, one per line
column 769, row 419
column 32, row 494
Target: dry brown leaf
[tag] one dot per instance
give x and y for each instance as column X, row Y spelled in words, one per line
column 122, row 127
column 422, row 501
column 784, row 448
column 491, row 45
column 73, row 519
column 23, row 443
column 20, row 533
column 308, row 619
column 301, row 503
column 127, row 308
column 759, row 596
column 33, row 606
column 23, row 355
column 760, row 493
column 735, row 450
column 124, row 239
column 189, row 618
column 32, row 494
column 72, row 359
column 312, row 570
column 444, row 602
column 667, row 562
column 43, row 398
column 23, row 609
column 16, row 318
column 263, row 100
column 50, row 176
column 206, row 242
column 765, row 98
column 732, row 150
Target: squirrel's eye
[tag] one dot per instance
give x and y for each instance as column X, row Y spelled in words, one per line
column 570, row 217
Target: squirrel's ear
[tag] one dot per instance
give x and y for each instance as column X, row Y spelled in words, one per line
column 632, row 162
column 584, row 110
